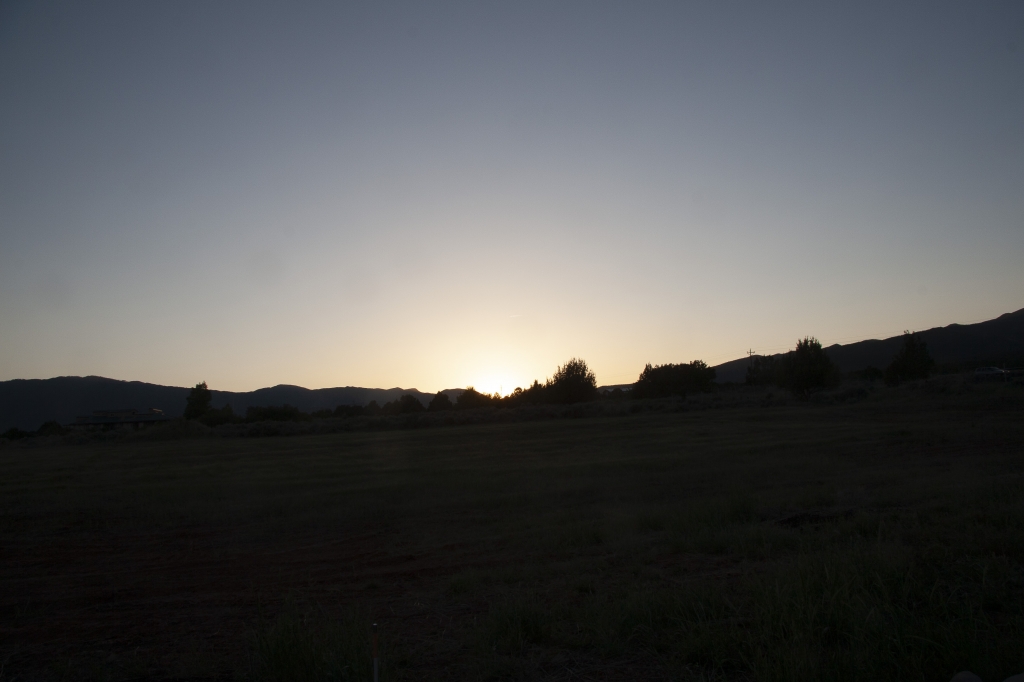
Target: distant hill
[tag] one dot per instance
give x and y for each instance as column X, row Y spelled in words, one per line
column 995, row 342
column 27, row 403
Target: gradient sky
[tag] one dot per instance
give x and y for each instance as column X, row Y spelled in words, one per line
column 434, row 195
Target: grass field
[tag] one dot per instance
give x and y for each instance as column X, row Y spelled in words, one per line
column 881, row 539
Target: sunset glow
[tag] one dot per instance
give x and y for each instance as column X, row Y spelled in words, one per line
column 417, row 197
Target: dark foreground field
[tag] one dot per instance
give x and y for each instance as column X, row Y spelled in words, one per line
column 876, row 540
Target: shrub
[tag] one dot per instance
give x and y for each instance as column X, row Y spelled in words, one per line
column 615, row 394
column 912, row 362
column 808, row 367
column 310, row 646
column 51, row 428
column 407, row 404
column 662, row 381
column 349, row 410
column 471, row 398
column 440, row 403
column 871, row 373
column 275, row 413
column 763, row 371
column 534, row 395
column 198, row 401
column 573, row 382
column 214, row 417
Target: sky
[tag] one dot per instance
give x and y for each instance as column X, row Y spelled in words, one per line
column 438, row 195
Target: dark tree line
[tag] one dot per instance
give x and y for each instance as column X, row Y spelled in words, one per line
column 912, row 362
column 808, row 367
column 573, row 382
column 802, row 370
column 663, row 381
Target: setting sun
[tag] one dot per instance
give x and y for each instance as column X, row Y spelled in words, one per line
column 500, row 382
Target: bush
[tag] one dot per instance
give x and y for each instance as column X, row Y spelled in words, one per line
column 51, row 428
column 912, row 362
column 662, row 381
column 440, row 403
column 615, row 394
column 471, row 398
column 275, row 413
column 870, row 373
column 407, row 404
column 309, row 645
column 534, row 395
column 763, row 371
column 213, row 417
column 14, row 433
column 808, row 367
column 198, row 401
column 801, row 370
column 573, row 382
column 349, row 410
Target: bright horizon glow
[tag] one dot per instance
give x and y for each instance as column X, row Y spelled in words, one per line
column 441, row 195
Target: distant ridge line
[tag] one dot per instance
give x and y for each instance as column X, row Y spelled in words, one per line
column 997, row 341
column 28, row 403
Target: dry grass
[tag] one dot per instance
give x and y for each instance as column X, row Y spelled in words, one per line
column 879, row 538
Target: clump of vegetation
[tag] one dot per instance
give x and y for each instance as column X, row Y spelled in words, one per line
column 276, row 413
column 440, row 403
column 535, row 394
column 763, row 371
column 662, row 381
column 14, row 433
column 573, row 382
column 407, row 404
column 515, row 624
column 870, row 373
column 50, row 428
column 912, row 362
column 214, row 417
column 198, row 401
column 313, row 646
column 808, row 367
column 802, row 370
column 471, row 399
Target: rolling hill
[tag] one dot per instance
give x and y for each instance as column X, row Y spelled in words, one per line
column 957, row 346
column 27, row 403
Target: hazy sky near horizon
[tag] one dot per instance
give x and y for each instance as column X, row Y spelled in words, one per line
column 436, row 195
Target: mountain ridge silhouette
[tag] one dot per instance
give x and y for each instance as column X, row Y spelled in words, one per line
column 992, row 342
column 28, row 403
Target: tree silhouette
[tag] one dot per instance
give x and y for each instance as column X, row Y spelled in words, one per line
column 763, row 371
column 471, row 398
column 912, row 362
column 807, row 367
column 198, row 401
column 406, row 404
column 440, row 403
column 662, row 381
column 573, row 383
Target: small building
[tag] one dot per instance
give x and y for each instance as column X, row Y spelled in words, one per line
column 127, row 418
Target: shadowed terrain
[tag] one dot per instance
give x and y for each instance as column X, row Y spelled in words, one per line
column 960, row 346
column 879, row 536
